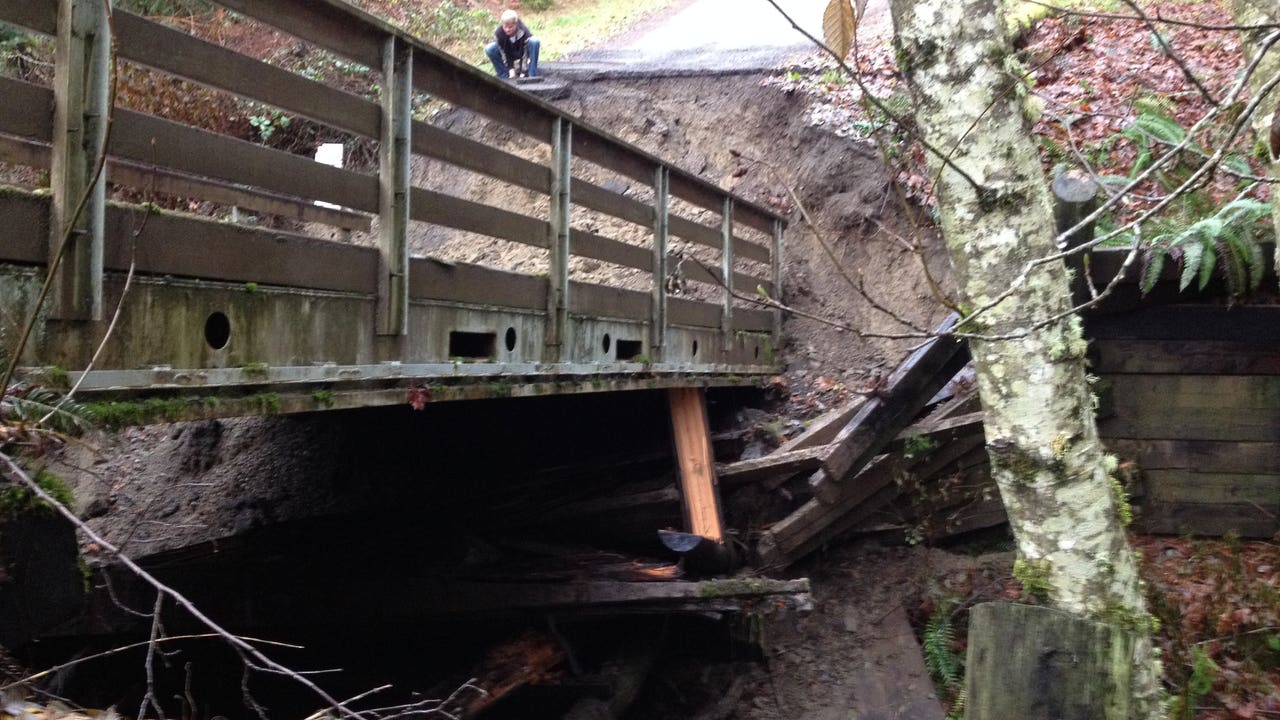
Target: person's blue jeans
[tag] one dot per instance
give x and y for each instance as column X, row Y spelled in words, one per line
column 500, row 67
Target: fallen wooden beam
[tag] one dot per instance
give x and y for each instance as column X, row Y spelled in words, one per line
column 894, row 406
column 722, row 595
column 823, row 430
column 773, row 469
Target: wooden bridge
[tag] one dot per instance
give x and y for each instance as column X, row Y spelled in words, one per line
column 228, row 318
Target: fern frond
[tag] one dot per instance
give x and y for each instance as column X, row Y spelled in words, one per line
column 1154, row 266
column 1208, row 258
column 939, row 637
column 33, row 404
column 1192, row 257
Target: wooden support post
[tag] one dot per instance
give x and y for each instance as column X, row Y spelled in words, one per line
column 697, row 464
column 82, row 77
column 1026, row 661
column 661, row 238
column 394, row 182
column 557, row 344
column 777, row 283
column 1077, row 197
column 726, row 272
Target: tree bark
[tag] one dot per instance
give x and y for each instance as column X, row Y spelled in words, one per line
column 1267, row 121
column 996, row 216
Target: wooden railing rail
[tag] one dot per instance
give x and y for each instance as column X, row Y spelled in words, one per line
column 188, row 161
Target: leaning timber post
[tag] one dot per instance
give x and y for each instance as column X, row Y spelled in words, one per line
column 661, row 240
column 394, row 181
column 698, row 488
column 557, row 345
column 726, row 273
column 1076, row 196
column 777, row 283
column 1026, row 661
column 82, row 78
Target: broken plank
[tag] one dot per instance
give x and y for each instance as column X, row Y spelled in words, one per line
column 907, row 390
column 824, row 429
column 477, row 597
column 815, row 516
column 775, row 468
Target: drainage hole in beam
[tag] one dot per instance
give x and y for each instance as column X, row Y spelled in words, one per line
column 757, row 352
column 606, row 343
column 695, row 348
column 630, row 349
column 472, row 345
column 217, row 330
column 511, row 339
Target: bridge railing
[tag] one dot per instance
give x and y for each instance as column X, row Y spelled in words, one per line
column 561, row 320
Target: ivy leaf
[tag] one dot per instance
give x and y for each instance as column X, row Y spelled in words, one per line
column 839, row 23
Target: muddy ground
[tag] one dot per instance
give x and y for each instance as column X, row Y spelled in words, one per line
column 165, row 486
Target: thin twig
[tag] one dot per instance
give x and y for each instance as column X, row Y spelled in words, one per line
column 246, row 650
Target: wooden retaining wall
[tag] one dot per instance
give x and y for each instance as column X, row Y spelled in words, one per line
column 1195, row 397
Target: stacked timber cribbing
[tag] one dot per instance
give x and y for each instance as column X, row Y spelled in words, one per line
column 1196, row 406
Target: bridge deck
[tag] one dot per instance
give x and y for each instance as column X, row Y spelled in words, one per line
column 231, row 318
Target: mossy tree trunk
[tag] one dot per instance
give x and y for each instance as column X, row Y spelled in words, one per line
column 1267, row 121
column 1045, row 455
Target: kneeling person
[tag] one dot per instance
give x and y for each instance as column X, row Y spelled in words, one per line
column 513, row 47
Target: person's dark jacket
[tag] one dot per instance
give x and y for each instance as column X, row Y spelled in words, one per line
column 512, row 47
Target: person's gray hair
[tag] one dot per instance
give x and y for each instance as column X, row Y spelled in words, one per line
column 510, row 16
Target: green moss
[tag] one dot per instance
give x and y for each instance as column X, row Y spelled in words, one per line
column 1034, row 576
column 918, row 446
column 251, row 287
column 323, row 398
column 56, row 378
column 1126, row 618
column 141, row 412
column 499, row 390
column 265, row 403
column 19, row 500
column 256, row 370
column 733, row 588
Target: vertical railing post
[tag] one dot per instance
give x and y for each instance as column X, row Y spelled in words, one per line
column 726, row 273
column 777, row 282
column 661, row 238
column 82, row 76
column 557, row 344
column 394, row 185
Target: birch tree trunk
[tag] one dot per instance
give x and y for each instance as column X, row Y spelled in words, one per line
column 1054, row 479
column 1267, row 121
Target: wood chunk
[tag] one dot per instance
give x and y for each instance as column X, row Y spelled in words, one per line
column 824, row 429
column 771, row 470
column 906, row 391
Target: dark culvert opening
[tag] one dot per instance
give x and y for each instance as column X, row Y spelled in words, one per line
column 426, row 502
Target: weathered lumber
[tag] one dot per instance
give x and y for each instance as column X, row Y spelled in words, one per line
column 905, row 392
column 824, row 429
column 772, row 469
column 853, row 503
column 1206, row 357
column 785, row 541
column 1035, row 662
column 1199, row 455
column 895, row 683
column 718, row 595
